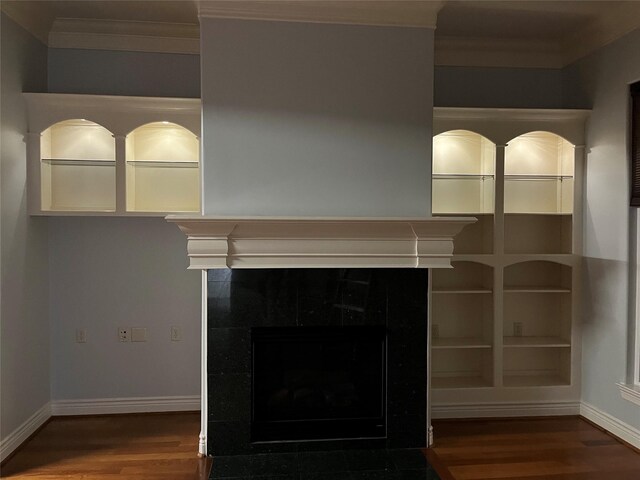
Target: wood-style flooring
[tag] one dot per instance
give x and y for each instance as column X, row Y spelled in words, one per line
column 565, row 448
column 127, row 447
column 164, row 446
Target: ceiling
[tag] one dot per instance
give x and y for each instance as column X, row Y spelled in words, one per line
column 525, row 33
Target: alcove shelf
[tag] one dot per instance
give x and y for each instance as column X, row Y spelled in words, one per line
column 504, row 323
column 115, row 156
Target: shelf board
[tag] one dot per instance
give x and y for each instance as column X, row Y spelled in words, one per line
column 461, row 290
column 550, row 214
column 459, row 382
column 79, row 162
column 457, row 343
column 163, row 164
column 533, row 381
column 536, row 289
column 463, row 176
column 536, row 342
column 536, row 177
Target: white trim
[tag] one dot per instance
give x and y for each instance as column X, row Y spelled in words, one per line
column 24, row 431
column 102, row 406
column 400, row 13
column 204, row 387
column 125, row 35
column 317, row 242
column 611, row 424
column 630, row 392
column 516, row 409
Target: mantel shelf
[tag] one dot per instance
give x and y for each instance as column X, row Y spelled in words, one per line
column 308, row 242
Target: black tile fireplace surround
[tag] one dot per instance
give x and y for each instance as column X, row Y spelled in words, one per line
column 246, row 304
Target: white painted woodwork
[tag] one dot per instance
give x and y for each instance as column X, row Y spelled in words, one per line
column 384, row 13
column 518, row 264
column 109, row 155
column 304, row 242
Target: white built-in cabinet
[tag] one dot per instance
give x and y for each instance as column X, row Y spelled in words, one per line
column 107, row 155
column 505, row 320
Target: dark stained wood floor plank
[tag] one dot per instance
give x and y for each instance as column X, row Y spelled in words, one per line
column 127, row 447
column 566, row 448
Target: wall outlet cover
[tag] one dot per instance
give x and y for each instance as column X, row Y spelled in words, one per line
column 124, row 334
column 176, row 333
column 138, row 334
column 81, row 335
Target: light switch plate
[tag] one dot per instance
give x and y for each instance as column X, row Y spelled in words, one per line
column 138, row 334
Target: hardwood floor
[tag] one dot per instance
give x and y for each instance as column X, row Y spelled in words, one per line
column 566, row 448
column 164, row 446
column 129, row 447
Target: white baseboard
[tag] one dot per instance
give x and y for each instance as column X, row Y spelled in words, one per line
column 488, row 410
column 611, row 424
column 24, row 431
column 104, row 406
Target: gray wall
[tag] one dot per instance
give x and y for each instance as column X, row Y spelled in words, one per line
column 603, row 79
column 107, row 72
column 111, row 272
column 498, row 87
column 311, row 119
column 24, row 332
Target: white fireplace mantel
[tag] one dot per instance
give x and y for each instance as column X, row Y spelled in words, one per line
column 309, row 242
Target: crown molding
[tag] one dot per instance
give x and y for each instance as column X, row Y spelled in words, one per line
column 615, row 23
column 125, row 36
column 35, row 17
column 298, row 242
column 496, row 52
column 399, row 13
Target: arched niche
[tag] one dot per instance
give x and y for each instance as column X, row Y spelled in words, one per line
column 539, row 170
column 162, row 141
column 463, row 173
column 77, row 139
column 77, row 171
column 163, row 169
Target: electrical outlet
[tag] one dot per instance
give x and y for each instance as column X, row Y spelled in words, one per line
column 124, row 334
column 517, row 329
column 176, row 333
column 435, row 331
column 138, row 334
column 81, row 335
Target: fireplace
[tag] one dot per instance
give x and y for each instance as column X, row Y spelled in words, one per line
column 318, row 383
column 318, row 358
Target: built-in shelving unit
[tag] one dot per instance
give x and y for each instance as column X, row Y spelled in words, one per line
column 504, row 320
column 103, row 155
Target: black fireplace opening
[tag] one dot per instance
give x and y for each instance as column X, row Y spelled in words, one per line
column 318, row 383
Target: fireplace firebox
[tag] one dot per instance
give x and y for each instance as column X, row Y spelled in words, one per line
column 318, row 383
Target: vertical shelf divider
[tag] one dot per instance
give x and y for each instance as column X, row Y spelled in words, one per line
column 34, row 177
column 498, row 271
column 121, row 174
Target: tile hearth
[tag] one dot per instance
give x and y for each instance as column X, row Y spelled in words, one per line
column 377, row 464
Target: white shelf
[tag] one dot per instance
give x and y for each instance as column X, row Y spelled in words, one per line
column 459, row 382
column 534, row 381
column 456, row 343
column 164, row 163
column 79, row 162
column 535, row 342
column 455, row 291
column 536, row 290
